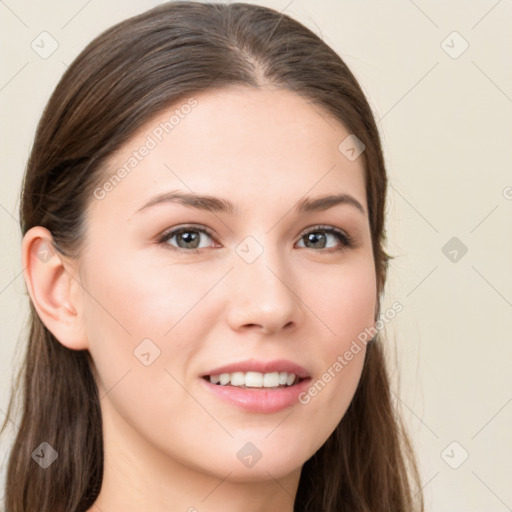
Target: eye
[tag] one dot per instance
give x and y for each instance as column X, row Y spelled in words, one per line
column 319, row 236
column 188, row 238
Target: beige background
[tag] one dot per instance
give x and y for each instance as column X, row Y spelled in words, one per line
column 446, row 123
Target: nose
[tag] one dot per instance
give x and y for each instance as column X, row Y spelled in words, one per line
column 262, row 296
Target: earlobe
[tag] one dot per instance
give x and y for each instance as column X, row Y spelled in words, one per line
column 50, row 285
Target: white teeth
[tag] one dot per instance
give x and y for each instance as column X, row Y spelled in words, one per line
column 237, row 379
column 271, row 380
column 254, row 379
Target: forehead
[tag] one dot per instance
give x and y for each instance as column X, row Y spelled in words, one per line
column 238, row 142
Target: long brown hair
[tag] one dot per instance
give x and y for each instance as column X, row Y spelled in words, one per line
column 121, row 80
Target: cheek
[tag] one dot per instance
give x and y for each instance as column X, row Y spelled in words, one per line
column 147, row 322
column 131, row 300
column 347, row 308
column 344, row 299
column 141, row 329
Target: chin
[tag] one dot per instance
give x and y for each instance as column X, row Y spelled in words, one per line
column 276, row 468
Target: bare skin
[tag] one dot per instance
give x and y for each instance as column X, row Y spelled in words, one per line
column 170, row 443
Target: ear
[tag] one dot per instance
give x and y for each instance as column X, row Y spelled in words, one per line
column 53, row 288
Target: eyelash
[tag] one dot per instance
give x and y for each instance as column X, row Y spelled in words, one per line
column 346, row 241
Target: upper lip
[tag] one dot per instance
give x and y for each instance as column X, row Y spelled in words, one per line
column 253, row 365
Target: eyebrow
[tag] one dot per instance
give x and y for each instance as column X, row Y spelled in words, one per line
column 217, row 204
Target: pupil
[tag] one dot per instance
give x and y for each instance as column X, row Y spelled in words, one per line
column 313, row 237
column 187, row 238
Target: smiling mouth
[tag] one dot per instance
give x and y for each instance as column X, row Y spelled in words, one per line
column 255, row 380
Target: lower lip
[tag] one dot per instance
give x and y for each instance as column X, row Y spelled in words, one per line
column 260, row 400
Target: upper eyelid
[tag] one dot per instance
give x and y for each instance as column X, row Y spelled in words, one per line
column 192, row 227
column 320, row 227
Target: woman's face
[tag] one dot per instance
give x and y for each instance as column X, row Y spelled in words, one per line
column 260, row 287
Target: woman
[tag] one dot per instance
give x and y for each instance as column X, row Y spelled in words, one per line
column 203, row 229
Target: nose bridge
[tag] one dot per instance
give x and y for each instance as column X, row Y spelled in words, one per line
column 262, row 292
